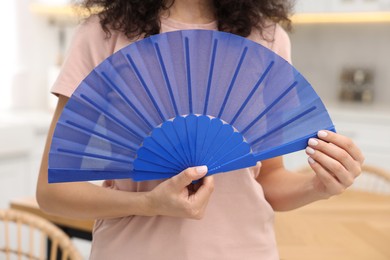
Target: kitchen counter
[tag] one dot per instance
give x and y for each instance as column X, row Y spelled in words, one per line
column 38, row 119
column 22, row 139
column 19, row 129
column 359, row 109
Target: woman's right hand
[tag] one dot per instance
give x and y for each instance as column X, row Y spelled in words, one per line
column 177, row 197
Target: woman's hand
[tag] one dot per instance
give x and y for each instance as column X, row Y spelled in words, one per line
column 179, row 197
column 336, row 161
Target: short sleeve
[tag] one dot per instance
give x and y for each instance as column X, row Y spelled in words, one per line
column 282, row 43
column 274, row 37
column 88, row 48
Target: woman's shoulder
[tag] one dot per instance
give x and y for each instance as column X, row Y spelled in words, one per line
column 91, row 33
column 90, row 30
column 274, row 37
column 90, row 45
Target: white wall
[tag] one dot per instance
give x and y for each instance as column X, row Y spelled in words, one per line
column 8, row 48
column 37, row 51
column 320, row 52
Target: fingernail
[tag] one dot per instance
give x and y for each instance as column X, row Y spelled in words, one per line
column 313, row 142
column 201, row 169
column 322, row 134
column 311, row 160
column 310, row 150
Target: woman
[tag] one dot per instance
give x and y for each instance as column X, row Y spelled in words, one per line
column 229, row 216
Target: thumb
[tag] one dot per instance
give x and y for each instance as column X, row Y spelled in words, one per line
column 189, row 175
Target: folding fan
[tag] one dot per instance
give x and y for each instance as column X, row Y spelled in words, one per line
column 182, row 99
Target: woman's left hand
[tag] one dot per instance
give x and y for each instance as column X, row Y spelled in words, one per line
column 336, row 161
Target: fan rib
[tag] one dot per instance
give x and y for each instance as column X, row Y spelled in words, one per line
column 237, row 149
column 190, row 121
column 169, row 164
column 171, row 131
column 202, row 150
column 98, row 156
column 109, row 115
column 166, row 78
column 217, row 153
column 162, row 168
column 188, row 66
column 212, row 131
column 211, row 72
column 195, row 135
column 179, row 128
column 270, row 107
column 307, row 111
column 64, row 175
column 225, row 134
column 158, row 136
column 144, row 85
column 289, row 147
column 149, row 146
column 233, row 81
column 124, row 97
column 252, row 92
column 89, row 131
column 203, row 126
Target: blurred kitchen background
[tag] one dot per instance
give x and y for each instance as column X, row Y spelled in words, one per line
column 341, row 46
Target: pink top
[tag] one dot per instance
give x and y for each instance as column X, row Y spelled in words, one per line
column 238, row 223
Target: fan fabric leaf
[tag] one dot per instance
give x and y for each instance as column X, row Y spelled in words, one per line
column 182, row 99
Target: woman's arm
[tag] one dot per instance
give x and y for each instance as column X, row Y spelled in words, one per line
column 89, row 201
column 336, row 162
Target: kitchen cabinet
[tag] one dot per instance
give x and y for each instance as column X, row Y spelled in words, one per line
column 22, row 138
column 370, row 129
column 341, row 11
column 16, row 143
column 313, row 6
column 60, row 13
column 13, row 182
column 341, row 18
column 306, row 12
column 345, row 6
column 360, row 5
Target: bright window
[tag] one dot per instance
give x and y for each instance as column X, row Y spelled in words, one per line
column 8, row 53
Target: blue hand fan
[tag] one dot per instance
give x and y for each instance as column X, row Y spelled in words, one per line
column 182, row 99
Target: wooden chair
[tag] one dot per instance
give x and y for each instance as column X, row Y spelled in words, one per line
column 25, row 236
column 373, row 179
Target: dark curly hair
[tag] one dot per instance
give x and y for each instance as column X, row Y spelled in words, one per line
column 141, row 17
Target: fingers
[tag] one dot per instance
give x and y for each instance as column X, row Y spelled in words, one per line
column 340, row 148
column 189, row 175
column 204, row 192
column 331, row 184
column 342, row 142
column 192, row 203
column 333, row 168
column 335, row 159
